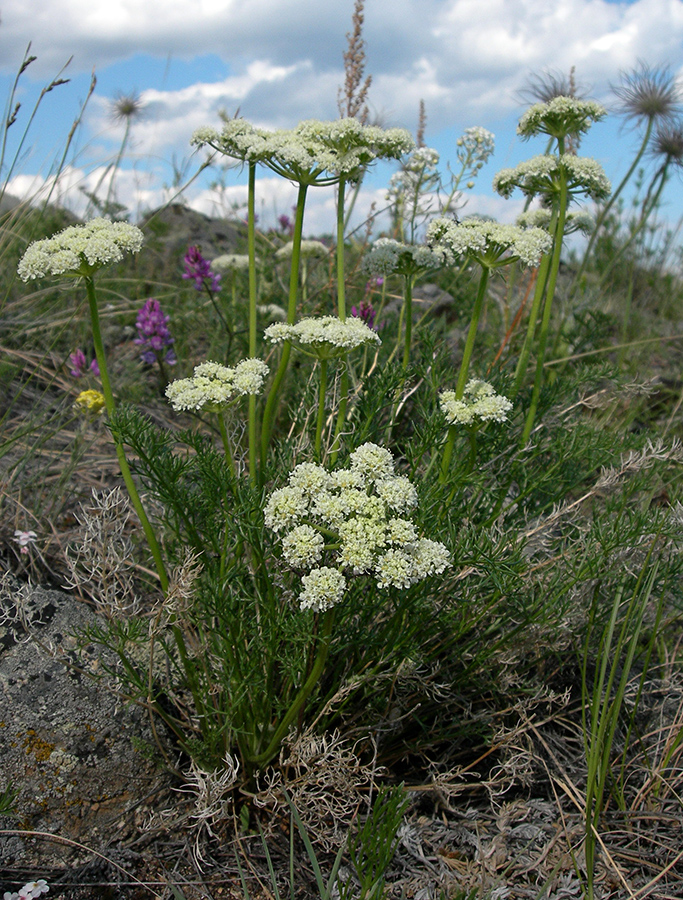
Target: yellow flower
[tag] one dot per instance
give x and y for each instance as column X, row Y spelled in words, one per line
column 89, row 401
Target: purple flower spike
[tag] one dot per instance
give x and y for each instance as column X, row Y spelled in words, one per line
column 199, row 269
column 153, row 334
column 365, row 312
column 79, row 363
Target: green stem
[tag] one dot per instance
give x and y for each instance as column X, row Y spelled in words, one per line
column 303, row 694
column 472, row 333
column 251, row 249
column 322, row 389
column 547, row 308
column 120, row 452
column 341, row 413
column 341, row 295
column 539, row 291
column 408, row 305
column 273, row 396
column 447, row 453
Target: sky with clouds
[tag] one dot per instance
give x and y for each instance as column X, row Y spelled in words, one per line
column 280, row 61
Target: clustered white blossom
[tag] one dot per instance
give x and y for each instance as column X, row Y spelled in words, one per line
column 576, row 220
column 213, row 386
column 308, row 250
column 388, row 256
column 80, row 249
column 477, row 142
column 314, row 152
column 541, row 175
column 479, row 401
column 352, row 521
column 560, row 117
column 419, row 172
column 29, row 891
column 490, row 243
column 230, row 262
column 325, row 336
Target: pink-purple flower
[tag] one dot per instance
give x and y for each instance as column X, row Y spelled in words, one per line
column 366, row 312
column 198, row 269
column 153, row 334
column 79, row 364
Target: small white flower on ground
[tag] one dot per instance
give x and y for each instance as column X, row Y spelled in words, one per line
column 24, row 539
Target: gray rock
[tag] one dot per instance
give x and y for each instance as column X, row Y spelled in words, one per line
column 81, row 760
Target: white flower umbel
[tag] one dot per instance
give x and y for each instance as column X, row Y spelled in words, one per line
column 575, row 220
column 541, row 175
column 230, row 262
column 80, row 249
column 351, row 522
column 560, row 117
column 479, row 403
column 388, row 257
column 315, row 152
column 323, row 589
column 489, row 243
column 325, row 337
column 308, row 250
column 213, row 386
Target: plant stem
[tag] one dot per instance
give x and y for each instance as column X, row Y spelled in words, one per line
column 273, row 396
column 303, row 694
column 472, row 333
column 408, row 305
column 539, row 291
column 251, row 249
column 120, row 452
column 322, row 388
column 547, row 308
column 341, row 288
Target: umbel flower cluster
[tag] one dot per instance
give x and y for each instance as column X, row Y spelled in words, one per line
column 324, row 337
column 213, row 386
column 488, row 242
column 80, row 249
column 389, row 256
column 314, row 152
column 541, row 175
column 352, row 521
column 479, row 402
column 560, row 117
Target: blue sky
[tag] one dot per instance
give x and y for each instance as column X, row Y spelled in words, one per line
column 280, row 61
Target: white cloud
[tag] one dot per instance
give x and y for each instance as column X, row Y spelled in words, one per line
column 282, row 61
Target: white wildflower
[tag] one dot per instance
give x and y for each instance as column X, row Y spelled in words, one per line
column 560, row 117
column 430, row 558
column 213, row 386
column 324, row 337
column 479, row 401
column 285, row 507
column 490, row 243
column 80, row 249
column 308, row 250
column 303, row 547
column 323, row 589
column 394, row 569
column 230, row 262
column 398, row 493
column 388, row 256
column 541, row 175
column 373, row 461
